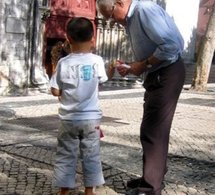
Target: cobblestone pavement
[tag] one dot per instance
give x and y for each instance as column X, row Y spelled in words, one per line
column 28, row 130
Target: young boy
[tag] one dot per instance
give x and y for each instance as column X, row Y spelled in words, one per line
column 76, row 82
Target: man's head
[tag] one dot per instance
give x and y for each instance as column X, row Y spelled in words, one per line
column 114, row 9
column 80, row 30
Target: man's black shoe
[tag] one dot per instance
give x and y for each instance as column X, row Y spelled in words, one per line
column 139, row 182
column 134, row 183
column 135, row 192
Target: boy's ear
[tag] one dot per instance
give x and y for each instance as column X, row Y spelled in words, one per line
column 93, row 42
column 69, row 39
column 93, row 39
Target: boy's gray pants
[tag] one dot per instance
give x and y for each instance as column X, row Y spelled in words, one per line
column 83, row 134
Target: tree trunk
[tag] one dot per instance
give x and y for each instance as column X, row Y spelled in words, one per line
column 205, row 56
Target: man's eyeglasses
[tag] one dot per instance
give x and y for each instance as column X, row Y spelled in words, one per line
column 112, row 11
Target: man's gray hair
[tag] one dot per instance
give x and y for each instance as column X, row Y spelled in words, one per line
column 107, row 3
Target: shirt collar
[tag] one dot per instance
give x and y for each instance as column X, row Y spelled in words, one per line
column 131, row 9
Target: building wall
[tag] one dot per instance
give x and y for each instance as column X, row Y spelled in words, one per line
column 17, row 70
column 13, row 32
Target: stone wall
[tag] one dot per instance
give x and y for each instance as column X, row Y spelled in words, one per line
column 16, row 37
column 13, row 34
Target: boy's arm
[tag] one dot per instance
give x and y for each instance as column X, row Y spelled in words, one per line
column 56, row 92
column 55, row 85
column 101, row 71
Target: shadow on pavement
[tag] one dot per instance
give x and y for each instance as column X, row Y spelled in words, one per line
column 30, row 167
column 44, row 123
column 48, row 123
column 28, row 160
column 198, row 101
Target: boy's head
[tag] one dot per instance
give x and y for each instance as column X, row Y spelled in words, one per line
column 80, row 29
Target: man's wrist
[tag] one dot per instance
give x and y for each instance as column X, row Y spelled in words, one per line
column 148, row 64
column 129, row 70
column 136, row 68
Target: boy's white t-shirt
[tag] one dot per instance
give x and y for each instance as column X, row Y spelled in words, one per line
column 78, row 76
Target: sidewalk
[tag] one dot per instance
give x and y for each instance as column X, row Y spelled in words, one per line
column 28, row 131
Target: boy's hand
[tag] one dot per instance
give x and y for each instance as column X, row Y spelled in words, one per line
column 111, row 70
column 123, row 71
column 56, row 92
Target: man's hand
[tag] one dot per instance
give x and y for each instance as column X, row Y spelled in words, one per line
column 138, row 68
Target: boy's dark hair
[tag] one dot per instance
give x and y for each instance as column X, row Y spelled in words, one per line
column 80, row 29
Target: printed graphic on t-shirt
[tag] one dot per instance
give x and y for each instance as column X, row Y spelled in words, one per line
column 86, row 72
column 78, row 72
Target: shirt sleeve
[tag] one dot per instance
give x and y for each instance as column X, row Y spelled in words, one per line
column 101, row 71
column 161, row 29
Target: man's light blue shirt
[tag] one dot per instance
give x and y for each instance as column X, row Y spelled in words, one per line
column 152, row 31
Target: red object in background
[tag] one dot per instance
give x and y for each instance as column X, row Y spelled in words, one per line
column 70, row 8
column 63, row 10
column 100, row 131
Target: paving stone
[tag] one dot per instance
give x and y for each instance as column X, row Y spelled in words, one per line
column 27, row 152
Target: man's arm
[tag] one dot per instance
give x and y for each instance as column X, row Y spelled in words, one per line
column 138, row 68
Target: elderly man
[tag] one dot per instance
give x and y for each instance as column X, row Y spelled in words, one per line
column 157, row 46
